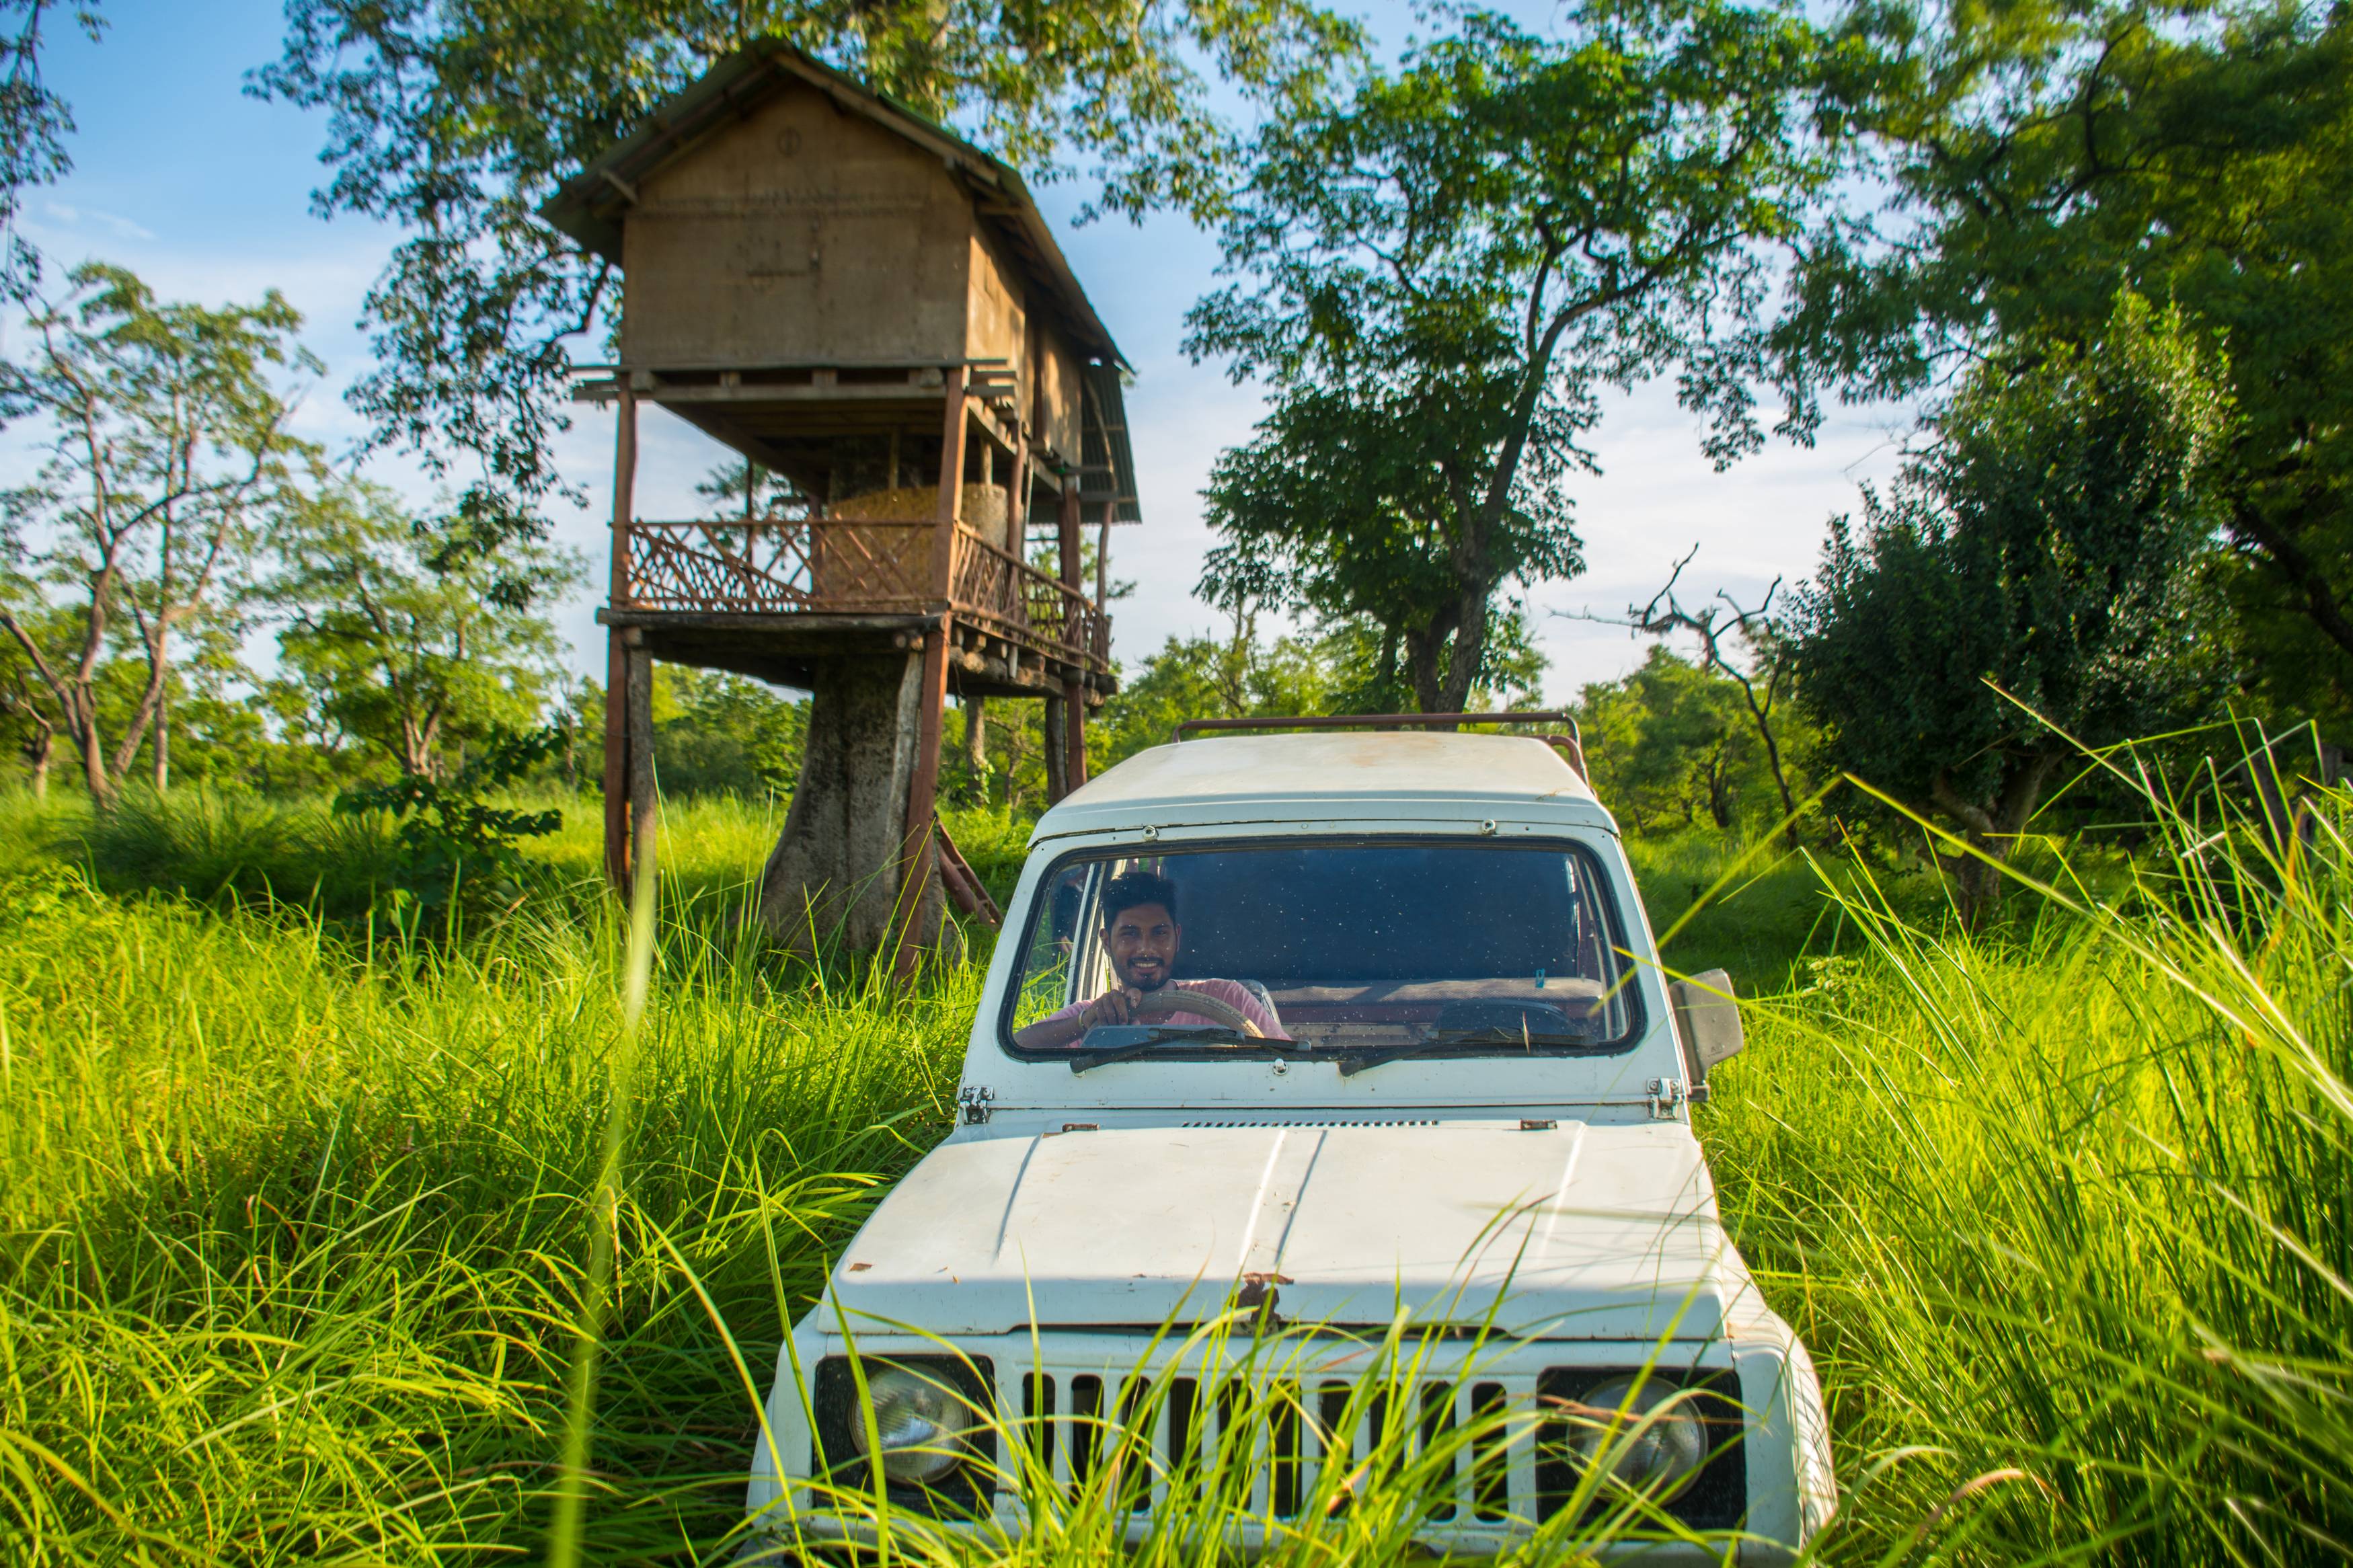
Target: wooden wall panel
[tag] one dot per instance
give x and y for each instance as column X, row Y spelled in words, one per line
column 998, row 320
column 798, row 235
column 1055, row 411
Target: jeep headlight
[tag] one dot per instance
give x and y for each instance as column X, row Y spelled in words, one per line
column 919, row 1424
column 1645, row 1430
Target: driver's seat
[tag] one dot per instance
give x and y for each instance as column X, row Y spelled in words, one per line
column 1264, row 1000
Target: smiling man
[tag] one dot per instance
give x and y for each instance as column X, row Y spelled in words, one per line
column 1141, row 937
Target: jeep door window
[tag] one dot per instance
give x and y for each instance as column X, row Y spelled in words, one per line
column 1371, row 951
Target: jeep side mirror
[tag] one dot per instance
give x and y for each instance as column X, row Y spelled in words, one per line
column 1708, row 1019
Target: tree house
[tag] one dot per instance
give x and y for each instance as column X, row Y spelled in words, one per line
column 873, row 311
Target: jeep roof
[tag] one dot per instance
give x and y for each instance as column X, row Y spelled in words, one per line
column 1436, row 778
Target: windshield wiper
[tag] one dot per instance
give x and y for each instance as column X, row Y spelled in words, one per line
column 1081, row 1061
column 1365, row 1061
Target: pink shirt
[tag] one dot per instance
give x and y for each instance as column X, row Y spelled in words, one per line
column 1234, row 995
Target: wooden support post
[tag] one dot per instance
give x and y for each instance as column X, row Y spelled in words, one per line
column 1102, row 561
column 951, row 436
column 922, row 788
column 1016, row 491
column 1074, row 704
column 616, row 759
column 617, row 663
column 644, row 819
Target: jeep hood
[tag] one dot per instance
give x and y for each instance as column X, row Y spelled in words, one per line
column 1578, row 1230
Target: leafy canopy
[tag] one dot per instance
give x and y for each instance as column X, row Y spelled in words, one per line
column 161, row 428
column 1441, row 274
column 453, row 120
column 2037, row 155
column 1671, row 740
column 1339, row 507
column 413, row 659
column 2045, row 545
column 35, row 123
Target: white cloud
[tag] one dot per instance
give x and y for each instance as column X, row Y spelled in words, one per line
column 65, row 219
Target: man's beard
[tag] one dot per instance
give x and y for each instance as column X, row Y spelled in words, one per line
column 1150, row 984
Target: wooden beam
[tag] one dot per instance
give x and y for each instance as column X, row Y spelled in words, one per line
column 992, row 427
column 792, row 392
column 616, row 669
column 644, row 822
column 1074, row 707
column 790, row 623
column 917, row 853
column 1016, row 496
column 922, row 789
column 617, row 758
column 951, row 439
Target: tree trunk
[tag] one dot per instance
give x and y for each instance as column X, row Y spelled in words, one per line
column 1719, row 791
column 2305, row 575
column 1387, row 677
column 1469, row 650
column 160, row 743
column 832, row 882
column 37, row 754
column 1992, row 832
column 89, row 743
column 1424, row 647
column 976, row 745
column 1058, row 748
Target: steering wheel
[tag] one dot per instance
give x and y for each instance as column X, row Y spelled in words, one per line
column 1162, row 1003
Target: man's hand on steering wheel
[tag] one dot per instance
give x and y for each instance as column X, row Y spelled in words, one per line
column 1126, row 1004
column 1116, row 1005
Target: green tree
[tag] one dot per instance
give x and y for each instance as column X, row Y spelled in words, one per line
column 745, row 488
column 716, row 733
column 1442, row 273
column 1238, row 676
column 165, row 447
column 2040, row 153
column 1342, row 507
column 2029, row 584
column 1673, row 740
column 1332, row 669
column 35, row 123
column 413, row 659
column 304, row 750
column 24, row 710
column 453, row 123
column 1746, row 649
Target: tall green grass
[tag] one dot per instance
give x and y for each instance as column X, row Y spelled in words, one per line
column 2063, row 1209
column 295, row 1215
column 291, row 1232
column 240, row 848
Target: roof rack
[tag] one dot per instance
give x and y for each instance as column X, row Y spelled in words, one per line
column 1571, row 746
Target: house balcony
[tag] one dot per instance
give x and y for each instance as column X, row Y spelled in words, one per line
column 764, row 597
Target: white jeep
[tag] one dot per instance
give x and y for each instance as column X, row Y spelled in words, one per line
column 1326, row 1099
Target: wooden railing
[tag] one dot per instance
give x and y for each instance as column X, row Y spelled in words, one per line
column 817, row 566
column 781, row 565
column 998, row 589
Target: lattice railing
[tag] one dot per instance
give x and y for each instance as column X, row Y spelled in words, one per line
column 1001, row 590
column 815, row 564
column 789, row 565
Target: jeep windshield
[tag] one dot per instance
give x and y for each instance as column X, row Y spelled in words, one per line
column 1365, row 952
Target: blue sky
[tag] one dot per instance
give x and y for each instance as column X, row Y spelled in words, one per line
column 206, row 193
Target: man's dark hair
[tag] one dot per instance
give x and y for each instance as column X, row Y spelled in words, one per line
column 1131, row 889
